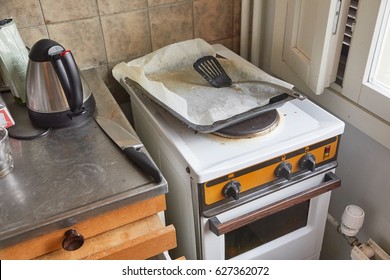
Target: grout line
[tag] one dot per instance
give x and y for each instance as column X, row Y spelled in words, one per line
column 193, row 19
column 102, row 37
column 44, row 20
column 150, row 27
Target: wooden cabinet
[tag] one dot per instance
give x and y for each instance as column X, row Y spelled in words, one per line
column 131, row 232
column 88, row 186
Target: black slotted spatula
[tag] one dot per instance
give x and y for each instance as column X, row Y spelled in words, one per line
column 211, row 70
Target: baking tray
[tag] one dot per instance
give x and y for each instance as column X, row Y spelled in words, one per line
column 167, row 78
column 274, row 102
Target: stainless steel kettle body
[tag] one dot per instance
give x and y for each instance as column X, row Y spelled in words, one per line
column 57, row 94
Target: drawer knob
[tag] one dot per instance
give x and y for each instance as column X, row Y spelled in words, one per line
column 73, row 240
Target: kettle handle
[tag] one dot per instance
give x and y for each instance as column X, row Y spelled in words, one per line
column 69, row 76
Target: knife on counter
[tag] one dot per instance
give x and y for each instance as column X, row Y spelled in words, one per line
column 130, row 145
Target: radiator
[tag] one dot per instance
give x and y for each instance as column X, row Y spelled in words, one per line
column 369, row 251
column 351, row 221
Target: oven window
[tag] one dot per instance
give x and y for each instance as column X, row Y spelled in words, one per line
column 265, row 230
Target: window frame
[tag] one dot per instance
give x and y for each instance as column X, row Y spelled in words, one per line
column 356, row 86
column 332, row 97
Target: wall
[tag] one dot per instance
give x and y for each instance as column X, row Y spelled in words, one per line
column 102, row 33
column 364, row 170
column 363, row 163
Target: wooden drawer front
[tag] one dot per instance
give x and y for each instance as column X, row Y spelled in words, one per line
column 141, row 239
column 52, row 241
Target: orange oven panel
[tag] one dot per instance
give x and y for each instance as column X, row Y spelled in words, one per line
column 254, row 177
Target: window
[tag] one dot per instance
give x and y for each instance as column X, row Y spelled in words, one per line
column 315, row 35
column 379, row 74
column 368, row 61
column 379, row 69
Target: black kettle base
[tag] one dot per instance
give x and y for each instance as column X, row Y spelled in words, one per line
column 65, row 118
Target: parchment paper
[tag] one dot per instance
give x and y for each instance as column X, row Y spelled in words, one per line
column 169, row 76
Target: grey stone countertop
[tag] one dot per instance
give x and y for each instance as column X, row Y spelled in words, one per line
column 67, row 176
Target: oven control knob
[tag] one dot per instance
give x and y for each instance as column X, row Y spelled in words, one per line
column 284, row 170
column 232, row 189
column 308, row 161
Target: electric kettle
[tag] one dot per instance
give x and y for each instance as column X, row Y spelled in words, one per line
column 57, row 95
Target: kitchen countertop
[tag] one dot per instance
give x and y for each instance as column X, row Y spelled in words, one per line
column 67, row 176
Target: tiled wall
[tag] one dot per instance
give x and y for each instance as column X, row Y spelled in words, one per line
column 102, row 33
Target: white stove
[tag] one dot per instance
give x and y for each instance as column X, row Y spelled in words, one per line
column 264, row 197
column 208, row 155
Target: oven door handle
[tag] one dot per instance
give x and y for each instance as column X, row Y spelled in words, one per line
column 331, row 181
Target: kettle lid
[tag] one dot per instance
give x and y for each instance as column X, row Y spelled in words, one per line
column 41, row 50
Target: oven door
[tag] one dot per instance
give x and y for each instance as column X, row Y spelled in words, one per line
column 287, row 224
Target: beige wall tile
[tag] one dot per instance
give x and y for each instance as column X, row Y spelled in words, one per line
column 236, row 44
column 213, row 20
column 84, row 38
column 170, row 24
column 117, row 6
column 226, row 42
column 103, row 73
column 25, row 12
column 237, row 17
column 102, row 33
column 152, row 3
column 32, row 35
column 126, row 35
column 64, row 10
column 119, row 93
